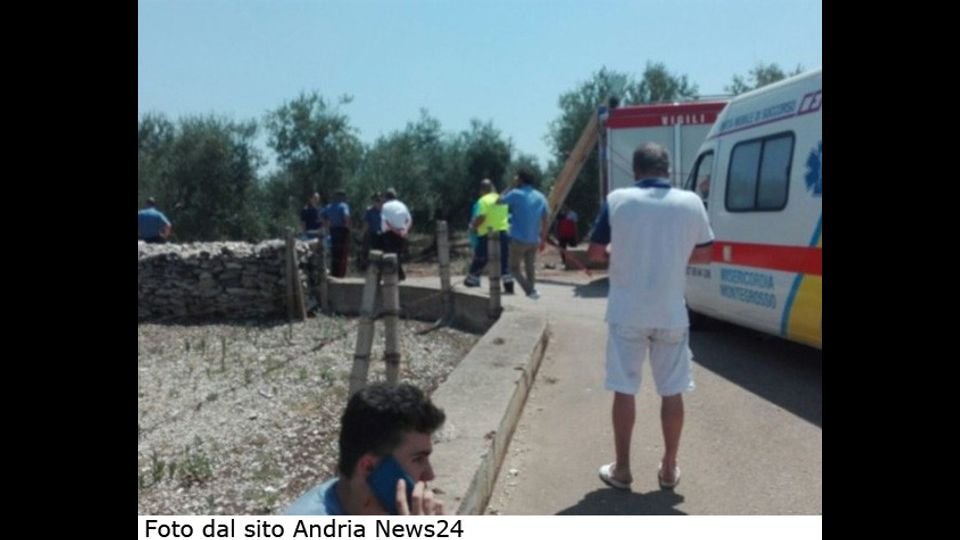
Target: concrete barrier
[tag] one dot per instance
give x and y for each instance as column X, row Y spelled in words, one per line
column 483, row 399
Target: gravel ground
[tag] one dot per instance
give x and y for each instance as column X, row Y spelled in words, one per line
column 242, row 417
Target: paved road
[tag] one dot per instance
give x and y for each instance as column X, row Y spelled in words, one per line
column 752, row 443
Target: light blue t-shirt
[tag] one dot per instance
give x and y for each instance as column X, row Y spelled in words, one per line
column 150, row 222
column 527, row 206
column 322, row 500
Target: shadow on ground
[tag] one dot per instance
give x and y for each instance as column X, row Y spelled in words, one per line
column 615, row 502
column 787, row 374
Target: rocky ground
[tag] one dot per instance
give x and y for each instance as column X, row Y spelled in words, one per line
column 241, row 417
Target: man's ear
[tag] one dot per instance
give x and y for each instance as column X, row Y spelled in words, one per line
column 366, row 464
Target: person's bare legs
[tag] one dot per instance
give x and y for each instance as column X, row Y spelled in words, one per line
column 671, row 420
column 624, row 413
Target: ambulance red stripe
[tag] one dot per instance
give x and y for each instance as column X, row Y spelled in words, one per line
column 797, row 259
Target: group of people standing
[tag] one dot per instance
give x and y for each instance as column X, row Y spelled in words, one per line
column 518, row 215
column 386, row 224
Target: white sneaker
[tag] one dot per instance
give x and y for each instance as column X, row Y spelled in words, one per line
column 534, row 295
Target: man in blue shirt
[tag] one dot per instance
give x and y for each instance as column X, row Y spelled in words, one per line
column 528, row 229
column 337, row 217
column 152, row 226
column 380, row 420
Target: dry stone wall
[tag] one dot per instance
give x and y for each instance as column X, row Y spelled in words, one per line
column 215, row 279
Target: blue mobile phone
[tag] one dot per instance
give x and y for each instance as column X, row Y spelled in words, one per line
column 383, row 482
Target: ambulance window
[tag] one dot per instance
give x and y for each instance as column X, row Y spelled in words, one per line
column 774, row 173
column 759, row 174
column 699, row 180
column 743, row 176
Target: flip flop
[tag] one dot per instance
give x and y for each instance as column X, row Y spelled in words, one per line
column 606, row 475
column 670, row 485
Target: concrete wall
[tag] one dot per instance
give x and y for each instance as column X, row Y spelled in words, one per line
column 483, row 399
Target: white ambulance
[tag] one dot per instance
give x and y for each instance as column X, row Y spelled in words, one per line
column 759, row 173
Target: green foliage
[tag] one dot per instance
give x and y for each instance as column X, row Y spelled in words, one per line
column 658, row 86
column 155, row 136
column 483, row 153
column 529, row 162
column 196, row 466
column 436, row 174
column 279, row 208
column 316, row 146
column 409, row 161
column 203, row 175
column 761, row 75
column 205, row 171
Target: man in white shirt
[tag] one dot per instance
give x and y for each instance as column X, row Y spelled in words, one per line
column 397, row 222
column 653, row 232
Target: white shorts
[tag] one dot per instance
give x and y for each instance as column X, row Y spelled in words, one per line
column 670, row 359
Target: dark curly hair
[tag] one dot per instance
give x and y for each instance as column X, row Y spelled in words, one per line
column 377, row 417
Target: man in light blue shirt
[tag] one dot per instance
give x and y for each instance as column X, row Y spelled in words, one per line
column 381, row 421
column 528, row 229
column 152, row 226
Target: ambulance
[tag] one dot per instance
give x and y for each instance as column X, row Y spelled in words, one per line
column 759, row 173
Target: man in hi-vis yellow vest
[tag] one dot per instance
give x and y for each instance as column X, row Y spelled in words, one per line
column 495, row 216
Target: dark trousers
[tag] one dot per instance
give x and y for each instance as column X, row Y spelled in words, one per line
column 480, row 257
column 371, row 241
column 392, row 242
column 339, row 250
column 155, row 240
column 564, row 244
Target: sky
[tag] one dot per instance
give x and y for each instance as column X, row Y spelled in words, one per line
column 501, row 61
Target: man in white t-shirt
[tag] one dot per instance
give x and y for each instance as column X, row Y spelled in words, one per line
column 653, row 232
column 397, row 222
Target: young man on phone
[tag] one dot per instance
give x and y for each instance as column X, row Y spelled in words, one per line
column 385, row 442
